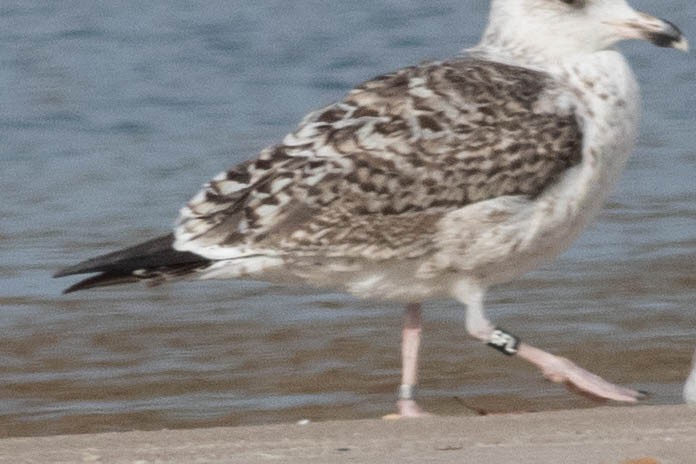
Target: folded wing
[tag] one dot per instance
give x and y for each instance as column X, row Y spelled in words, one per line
column 371, row 175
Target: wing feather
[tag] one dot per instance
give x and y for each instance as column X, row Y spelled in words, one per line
column 404, row 148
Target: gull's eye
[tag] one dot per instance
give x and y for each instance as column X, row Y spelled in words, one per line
column 575, row 3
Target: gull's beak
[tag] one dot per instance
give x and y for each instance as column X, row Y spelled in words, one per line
column 658, row 31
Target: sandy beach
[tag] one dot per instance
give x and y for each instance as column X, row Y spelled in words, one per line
column 611, row 435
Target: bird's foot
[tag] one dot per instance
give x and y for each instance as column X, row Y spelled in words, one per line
column 407, row 409
column 561, row 370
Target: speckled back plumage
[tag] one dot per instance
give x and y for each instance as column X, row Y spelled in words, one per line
column 371, row 175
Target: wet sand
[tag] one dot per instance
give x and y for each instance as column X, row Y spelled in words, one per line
column 611, row 435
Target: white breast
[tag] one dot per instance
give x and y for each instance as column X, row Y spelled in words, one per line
column 608, row 103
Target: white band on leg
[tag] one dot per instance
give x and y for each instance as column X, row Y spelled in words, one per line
column 406, row 392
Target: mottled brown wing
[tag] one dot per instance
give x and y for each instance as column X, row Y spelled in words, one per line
column 372, row 174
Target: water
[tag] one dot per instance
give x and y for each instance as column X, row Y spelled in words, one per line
column 112, row 114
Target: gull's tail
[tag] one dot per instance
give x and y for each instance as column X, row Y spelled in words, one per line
column 154, row 261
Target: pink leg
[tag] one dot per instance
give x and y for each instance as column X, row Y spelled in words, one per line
column 410, row 344
column 554, row 368
column 562, row 370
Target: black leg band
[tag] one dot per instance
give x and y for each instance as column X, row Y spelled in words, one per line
column 504, row 342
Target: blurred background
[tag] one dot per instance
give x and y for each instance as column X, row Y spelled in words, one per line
column 113, row 114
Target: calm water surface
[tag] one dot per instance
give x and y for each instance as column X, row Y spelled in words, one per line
column 112, row 114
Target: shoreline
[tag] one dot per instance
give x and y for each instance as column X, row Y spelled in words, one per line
column 612, row 435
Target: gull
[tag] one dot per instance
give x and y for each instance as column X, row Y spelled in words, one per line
column 437, row 180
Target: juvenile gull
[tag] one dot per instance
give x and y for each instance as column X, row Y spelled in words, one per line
column 435, row 180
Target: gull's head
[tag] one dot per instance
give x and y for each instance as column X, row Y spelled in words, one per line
column 555, row 28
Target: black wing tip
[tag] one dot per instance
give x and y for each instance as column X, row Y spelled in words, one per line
column 73, row 288
column 120, row 267
column 65, row 272
column 126, row 259
column 104, row 279
column 84, row 267
column 81, row 285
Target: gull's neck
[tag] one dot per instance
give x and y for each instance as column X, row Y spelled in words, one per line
column 530, row 42
column 526, row 53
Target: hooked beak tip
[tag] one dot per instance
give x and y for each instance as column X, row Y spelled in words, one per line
column 659, row 32
column 681, row 44
column 668, row 35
